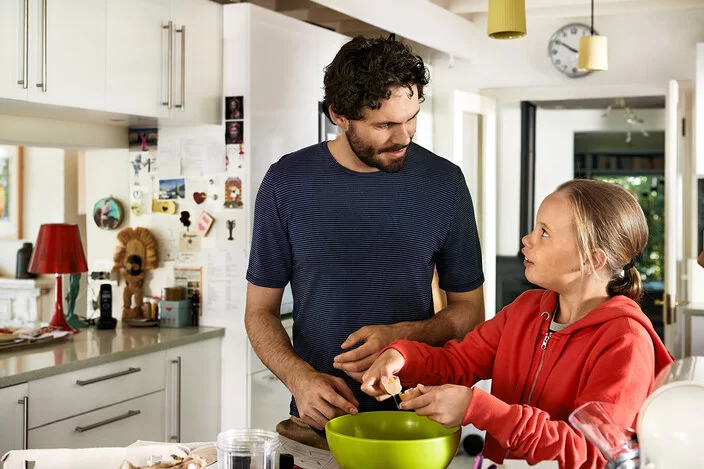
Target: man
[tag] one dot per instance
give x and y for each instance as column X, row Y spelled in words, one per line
column 357, row 226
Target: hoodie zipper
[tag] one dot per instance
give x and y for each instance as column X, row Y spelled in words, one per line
column 540, row 365
column 544, row 346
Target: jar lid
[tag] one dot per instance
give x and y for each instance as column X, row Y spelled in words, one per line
column 245, row 442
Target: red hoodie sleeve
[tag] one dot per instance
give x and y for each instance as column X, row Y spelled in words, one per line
column 617, row 377
column 456, row 362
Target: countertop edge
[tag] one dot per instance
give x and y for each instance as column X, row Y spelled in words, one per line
column 25, row 377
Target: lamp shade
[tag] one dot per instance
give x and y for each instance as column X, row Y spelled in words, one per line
column 507, row 19
column 58, row 250
column 593, row 53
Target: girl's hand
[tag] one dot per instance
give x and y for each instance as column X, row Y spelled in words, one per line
column 444, row 404
column 384, row 367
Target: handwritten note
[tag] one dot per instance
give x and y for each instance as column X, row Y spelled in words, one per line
column 214, row 157
column 224, row 282
column 192, row 156
column 169, row 156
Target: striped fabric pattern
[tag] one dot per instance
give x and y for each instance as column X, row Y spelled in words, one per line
column 359, row 248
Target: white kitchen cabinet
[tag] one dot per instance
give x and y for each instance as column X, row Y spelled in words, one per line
column 193, row 391
column 136, row 64
column 70, row 70
column 53, row 52
column 120, row 424
column 13, row 414
column 94, row 387
column 12, row 52
column 166, row 61
column 271, row 400
column 197, row 75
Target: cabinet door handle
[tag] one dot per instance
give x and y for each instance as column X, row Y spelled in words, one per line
column 126, row 415
column 177, row 436
column 24, row 402
column 170, row 59
column 128, row 371
column 182, row 31
column 42, row 85
column 25, row 45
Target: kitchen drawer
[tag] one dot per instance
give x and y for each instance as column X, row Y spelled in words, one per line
column 69, row 394
column 256, row 365
column 117, row 425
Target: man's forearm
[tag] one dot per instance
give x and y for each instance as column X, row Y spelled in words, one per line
column 452, row 322
column 273, row 346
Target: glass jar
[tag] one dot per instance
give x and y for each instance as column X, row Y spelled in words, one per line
column 248, row 448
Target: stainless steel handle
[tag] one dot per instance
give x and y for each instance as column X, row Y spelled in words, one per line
column 42, row 85
column 25, row 45
column 128, row 414
column 182, row 30
column 177, row 436
column 170, row 86
column 24, row 402
column 128, row 371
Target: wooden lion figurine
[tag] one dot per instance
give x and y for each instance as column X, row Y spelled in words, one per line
column 137, row 252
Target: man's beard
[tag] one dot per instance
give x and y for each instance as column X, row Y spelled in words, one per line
column 369, row 156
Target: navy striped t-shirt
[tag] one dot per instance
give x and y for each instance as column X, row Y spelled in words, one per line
column 359, row 248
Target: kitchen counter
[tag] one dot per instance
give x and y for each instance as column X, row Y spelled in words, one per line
column 91, row 347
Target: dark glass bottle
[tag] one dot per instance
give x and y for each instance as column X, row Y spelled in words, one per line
column 24, row 254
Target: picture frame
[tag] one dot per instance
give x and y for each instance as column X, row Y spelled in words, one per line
column 108, row 213
column 11, row 195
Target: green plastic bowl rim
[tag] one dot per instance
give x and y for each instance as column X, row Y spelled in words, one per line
column 413, row 441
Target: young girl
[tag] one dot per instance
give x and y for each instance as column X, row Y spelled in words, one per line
column 582, row 339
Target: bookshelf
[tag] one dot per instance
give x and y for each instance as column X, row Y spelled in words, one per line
column 588, row 165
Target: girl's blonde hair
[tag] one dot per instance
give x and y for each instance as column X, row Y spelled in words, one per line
column 609, row 218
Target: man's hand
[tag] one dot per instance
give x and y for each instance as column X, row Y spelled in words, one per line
column 388, row 364
column 444, row 404
column 357, row 361
column 321, row 397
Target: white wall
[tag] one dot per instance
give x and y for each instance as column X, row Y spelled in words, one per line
column 554, row 156
column 508, row 149
column 106, row 173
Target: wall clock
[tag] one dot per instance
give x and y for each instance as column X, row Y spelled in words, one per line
column 563, row 46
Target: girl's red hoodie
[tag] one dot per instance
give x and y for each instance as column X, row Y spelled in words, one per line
column 611, row 355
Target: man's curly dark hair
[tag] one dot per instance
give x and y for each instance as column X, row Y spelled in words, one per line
column 364, row 72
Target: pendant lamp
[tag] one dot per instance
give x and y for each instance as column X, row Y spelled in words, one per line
column 593, row 51
column 507, row 19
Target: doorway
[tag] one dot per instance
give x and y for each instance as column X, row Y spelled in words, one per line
column 635, row 162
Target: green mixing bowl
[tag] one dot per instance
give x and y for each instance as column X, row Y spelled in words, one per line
column 391, row 440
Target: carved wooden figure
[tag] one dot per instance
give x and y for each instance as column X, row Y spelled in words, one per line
column 137, row 252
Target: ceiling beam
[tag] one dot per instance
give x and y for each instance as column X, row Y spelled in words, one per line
column 420, row 21
column 546, row 7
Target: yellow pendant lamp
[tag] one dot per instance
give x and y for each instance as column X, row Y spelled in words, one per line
column 507, row 19
column 593, row 53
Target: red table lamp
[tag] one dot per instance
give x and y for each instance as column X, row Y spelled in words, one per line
column 58, row 251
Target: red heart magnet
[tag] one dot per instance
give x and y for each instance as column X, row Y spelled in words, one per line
column 199, row 197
